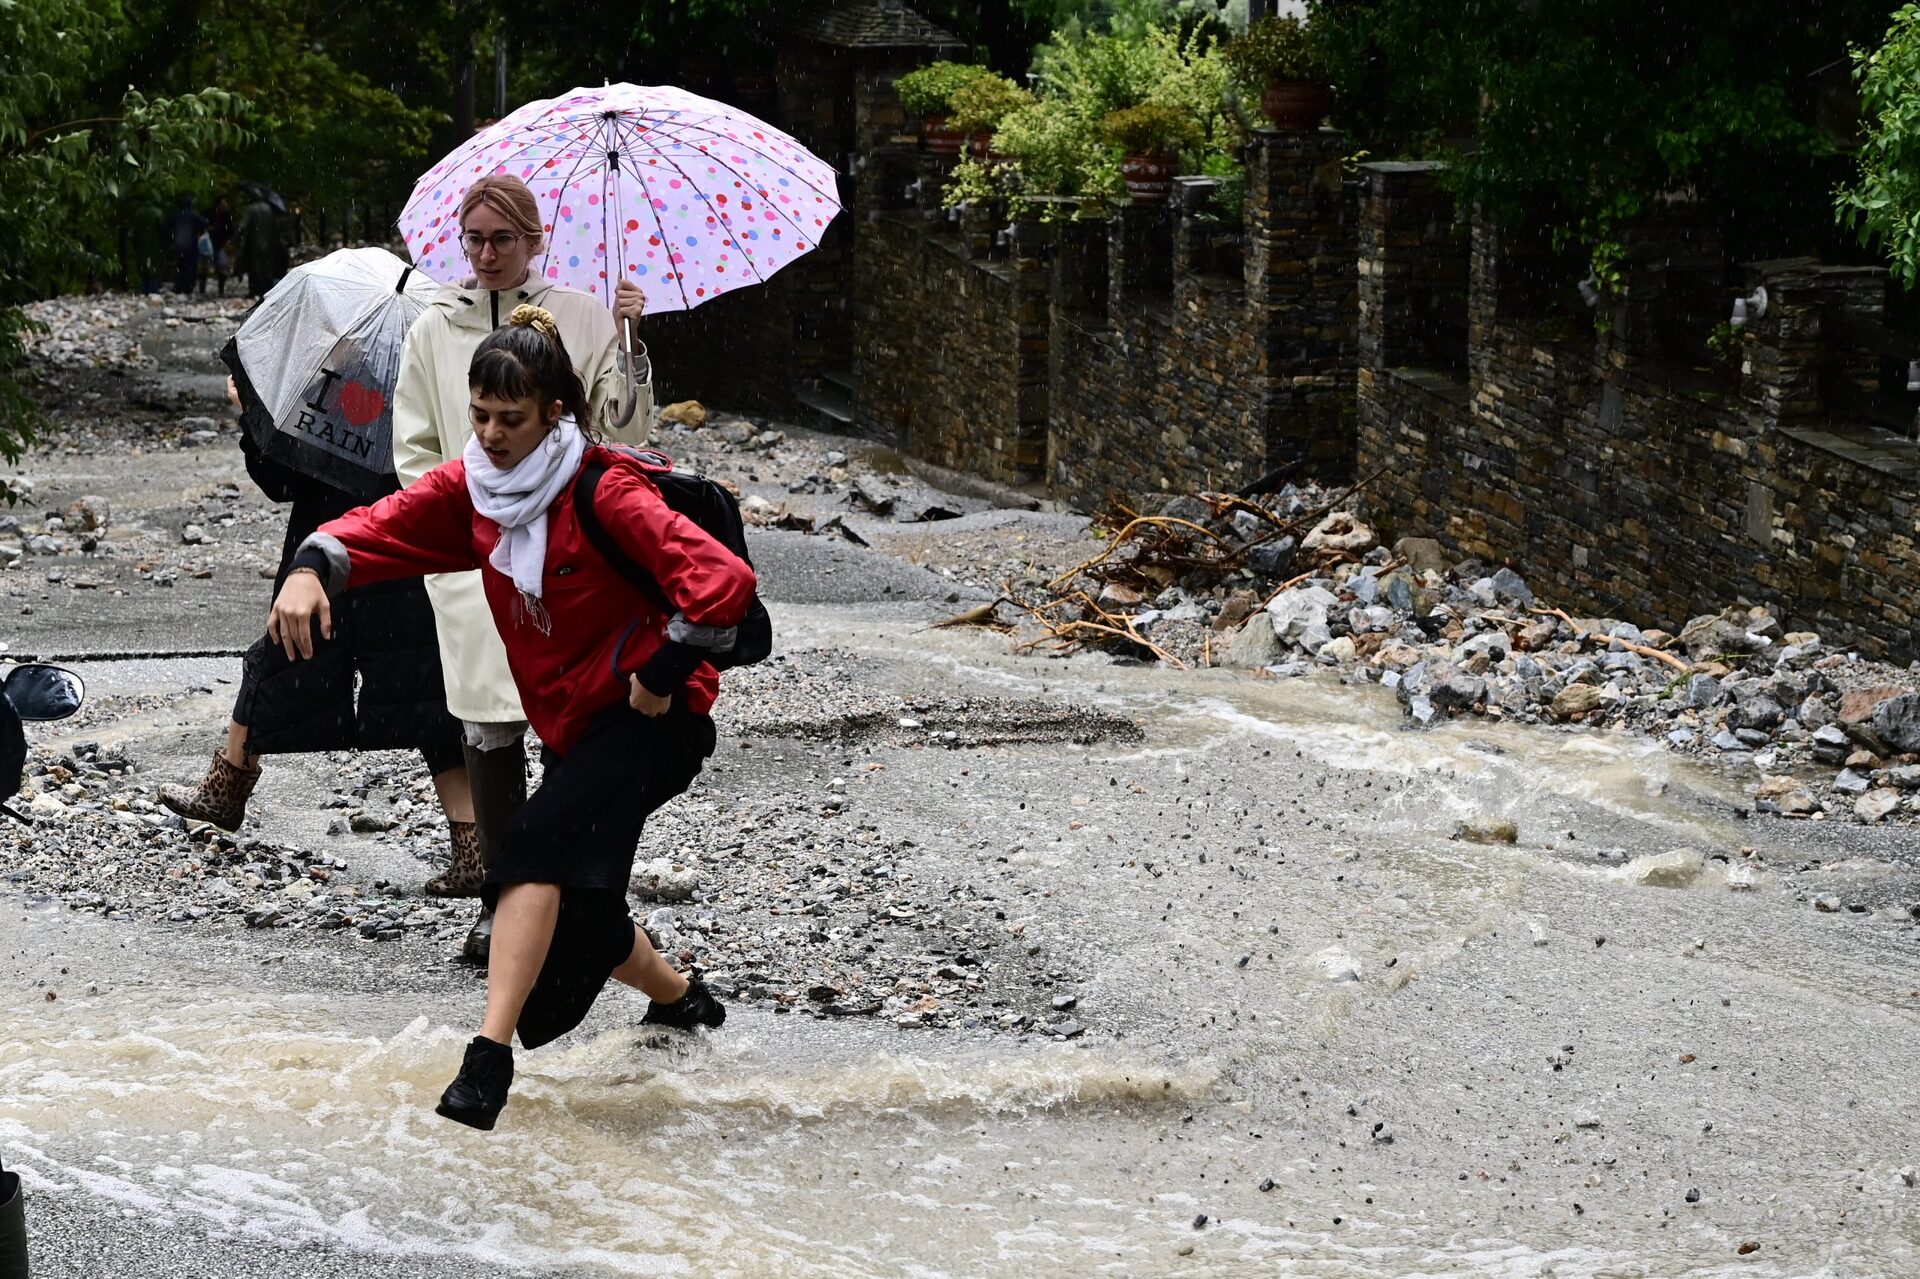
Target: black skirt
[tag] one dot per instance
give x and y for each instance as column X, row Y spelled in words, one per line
column 579, row 830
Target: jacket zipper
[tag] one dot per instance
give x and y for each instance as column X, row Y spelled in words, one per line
column 496, row 307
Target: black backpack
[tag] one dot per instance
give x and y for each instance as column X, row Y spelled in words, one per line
column 707, row 504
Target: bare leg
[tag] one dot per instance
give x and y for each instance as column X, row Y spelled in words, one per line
column 237, row 746
column 456, row 794
column 648, row 971
column 523, row 924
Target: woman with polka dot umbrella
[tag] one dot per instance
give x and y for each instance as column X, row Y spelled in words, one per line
column 687, row 197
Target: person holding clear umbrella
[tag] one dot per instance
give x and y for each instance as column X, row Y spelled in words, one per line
column 502, row 234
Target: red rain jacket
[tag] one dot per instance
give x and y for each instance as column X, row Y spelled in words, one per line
column 602, row 628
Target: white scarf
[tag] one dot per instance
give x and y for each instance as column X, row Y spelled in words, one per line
column 517, row 500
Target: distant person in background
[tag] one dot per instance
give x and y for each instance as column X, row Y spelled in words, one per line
column 220, row 233
column 149, row 242
column 258, row 246
column 186, row 226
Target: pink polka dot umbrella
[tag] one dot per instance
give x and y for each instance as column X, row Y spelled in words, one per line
column 687, row 197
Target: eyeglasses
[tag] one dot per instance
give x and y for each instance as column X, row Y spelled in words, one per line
column 502, row 241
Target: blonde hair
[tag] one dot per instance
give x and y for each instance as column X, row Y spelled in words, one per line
column 537, row 318
column 509, row 197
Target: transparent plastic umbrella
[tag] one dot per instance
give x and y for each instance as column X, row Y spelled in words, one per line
column 316, row 362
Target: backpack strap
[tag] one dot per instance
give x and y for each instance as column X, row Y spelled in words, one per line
column 583, row 491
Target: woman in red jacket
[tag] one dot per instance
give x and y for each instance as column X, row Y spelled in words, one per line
column 618, row 693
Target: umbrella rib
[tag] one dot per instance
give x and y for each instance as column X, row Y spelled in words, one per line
column 795, row 226
column 585, row 152
column 674, row 121
column 759, row 275
column 666, row 241
column 773, row 160
column 694, row 183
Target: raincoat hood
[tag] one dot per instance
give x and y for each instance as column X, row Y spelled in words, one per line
column 468, row 306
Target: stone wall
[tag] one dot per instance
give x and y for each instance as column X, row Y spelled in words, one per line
column 938, row 362
column 1155, row 349
column 1158, row 390
column 1624, row 483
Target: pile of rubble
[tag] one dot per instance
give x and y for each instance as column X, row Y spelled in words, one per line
column 1466, row 640
column 1297, row 582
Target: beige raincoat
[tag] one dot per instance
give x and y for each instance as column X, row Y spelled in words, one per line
column 430, row 426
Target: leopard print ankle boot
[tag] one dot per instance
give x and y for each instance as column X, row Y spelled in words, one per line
column 465, row 874
column 220, row 798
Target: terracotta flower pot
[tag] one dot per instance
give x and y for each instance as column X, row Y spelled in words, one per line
column 1149, row 177
column 1296, row 104
column 939, row 137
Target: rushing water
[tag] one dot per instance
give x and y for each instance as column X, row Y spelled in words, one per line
column 1455, row 1058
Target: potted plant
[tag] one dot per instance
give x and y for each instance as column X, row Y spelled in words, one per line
column 980, row 105
column 1054, row 153
column 1151, row 138
column 928, row 93
column 1281, row 58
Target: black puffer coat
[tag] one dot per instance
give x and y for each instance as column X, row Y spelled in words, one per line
column 383, row 634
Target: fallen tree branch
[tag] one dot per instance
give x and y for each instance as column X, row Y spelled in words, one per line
column 1643, row 650
column 1120, row 538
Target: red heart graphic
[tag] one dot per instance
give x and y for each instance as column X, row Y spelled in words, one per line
column 361, row 403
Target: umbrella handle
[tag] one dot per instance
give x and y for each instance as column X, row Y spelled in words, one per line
column 633, row 354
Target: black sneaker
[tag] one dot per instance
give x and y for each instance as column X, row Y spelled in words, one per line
column 697, row 1007
column 476, row 1095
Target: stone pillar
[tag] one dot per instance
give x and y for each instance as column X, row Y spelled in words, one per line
column 1413, row 266
column 980, row 225
column 1301, row 291
column 1192, row 241
column 1030, row 258
column 935, row 171
column 1140, row 254
column 1080, row 261
column 1787, row 350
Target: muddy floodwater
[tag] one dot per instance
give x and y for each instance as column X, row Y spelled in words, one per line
column 1320, row 1035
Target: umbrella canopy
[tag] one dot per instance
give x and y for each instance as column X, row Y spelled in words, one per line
column 687, row 197
column 316, row 362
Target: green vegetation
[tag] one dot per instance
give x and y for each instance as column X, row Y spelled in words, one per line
column 1883, row 204
column 80, row 152
column 982, row 103
column 1275, row 49
column 930, row 90
column 1152, row 128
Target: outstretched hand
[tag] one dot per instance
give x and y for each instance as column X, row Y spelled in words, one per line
column 290, row 625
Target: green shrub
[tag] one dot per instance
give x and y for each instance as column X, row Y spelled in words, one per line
column 1056, row 152
column 977, row 182
column 1152, row 129
column 930, row 90
column 1275, row 49
column 1884, row 205
column 981, row 103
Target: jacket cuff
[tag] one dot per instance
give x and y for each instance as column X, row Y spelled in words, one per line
column 666, row 672
column 323, row 553
column 718, row 638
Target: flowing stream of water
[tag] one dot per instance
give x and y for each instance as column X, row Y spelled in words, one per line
column 1517, row 1101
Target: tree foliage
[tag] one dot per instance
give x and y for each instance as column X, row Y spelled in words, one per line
column 1587, row 115
column 74, row 158
column 1883, row 203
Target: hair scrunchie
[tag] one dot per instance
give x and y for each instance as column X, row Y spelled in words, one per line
column 537, row 318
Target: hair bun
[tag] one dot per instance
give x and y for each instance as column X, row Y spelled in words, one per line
column 537, row 318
